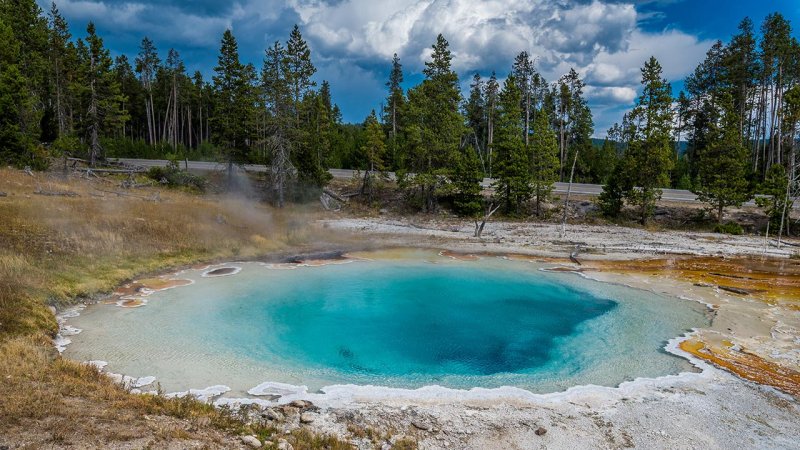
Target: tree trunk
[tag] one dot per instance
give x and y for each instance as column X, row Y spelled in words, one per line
column 489, row 212
column 569, row 191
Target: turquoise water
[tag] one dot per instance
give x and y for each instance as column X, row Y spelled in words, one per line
column 400, row 323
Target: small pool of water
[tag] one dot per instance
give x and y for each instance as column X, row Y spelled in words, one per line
column 420, row 320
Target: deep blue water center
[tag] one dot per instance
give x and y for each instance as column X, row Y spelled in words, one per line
column 429, row 319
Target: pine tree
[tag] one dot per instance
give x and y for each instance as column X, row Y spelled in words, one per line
column 491, row 92
column 174, row 71
column 513, row 185
column 306, row 158
column 774, row 200
column 102, row 100
column 544, row 160
column 130, row 91
column 467, row 178
column 475, row 109
column 394, row 108
column 374, row 147
column 278, row 102
column 649, row 155
column 300, row 69
column 741, row 62
column 523, row 72
column 722, row 169
column 612, row 199
column 436, row 124
column 29, row 31
column 14, row 144
column 147, row 63
column 233, row 91
column 59, row 50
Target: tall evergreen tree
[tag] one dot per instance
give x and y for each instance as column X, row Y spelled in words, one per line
column 523, row 72
column 29, row 28
column 102, row 100
column 233, row 92
column 147, row 64
column 722, row 180
column 544, row 160
column 306, row 157
column 374, row 147
column 475, row 113
column 59, row 52
column 513, row 185
column 394, row 107
column 300, row 69
column 491, row 93
column 439, row 126
column 15, row 146
column 649, row 154
column 278, row 102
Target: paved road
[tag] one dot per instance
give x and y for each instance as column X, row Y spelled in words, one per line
column 561, row 188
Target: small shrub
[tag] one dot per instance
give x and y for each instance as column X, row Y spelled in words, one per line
column 173, row 176
column 729, row 228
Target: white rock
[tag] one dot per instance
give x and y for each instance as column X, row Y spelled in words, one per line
column 252, row 441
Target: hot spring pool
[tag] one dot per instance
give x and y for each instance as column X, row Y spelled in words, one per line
column 408, row 322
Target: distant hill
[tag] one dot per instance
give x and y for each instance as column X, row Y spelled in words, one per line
column 597, row 142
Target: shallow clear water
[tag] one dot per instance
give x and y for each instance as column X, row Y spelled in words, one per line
column 400, row 323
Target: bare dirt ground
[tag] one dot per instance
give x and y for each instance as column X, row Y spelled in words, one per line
column 545, row 239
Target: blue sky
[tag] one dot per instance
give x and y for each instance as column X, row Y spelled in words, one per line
column 352, row 40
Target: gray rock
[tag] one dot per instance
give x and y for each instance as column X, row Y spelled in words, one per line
column 540, row 431
column 301, row 404
column 283, row 444
column 251, row 441
column 307, row 417
column 272, row 414
column 421, row 424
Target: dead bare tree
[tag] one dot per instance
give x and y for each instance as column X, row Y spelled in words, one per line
column 281, row 168
column 569, row 191
column 489, row 211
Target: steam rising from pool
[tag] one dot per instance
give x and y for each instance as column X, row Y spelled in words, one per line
column 408, row 322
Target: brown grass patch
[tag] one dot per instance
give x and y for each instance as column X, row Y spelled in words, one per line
column 54, row 250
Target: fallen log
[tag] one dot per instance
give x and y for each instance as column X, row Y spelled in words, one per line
column 574, row 255
column 56, row 193
column 330, row 203
column 335, row 195
column 735, row 290
column 127, row 171
column 153, row 198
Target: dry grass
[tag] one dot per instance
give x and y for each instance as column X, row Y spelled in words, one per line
column 54, row 250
